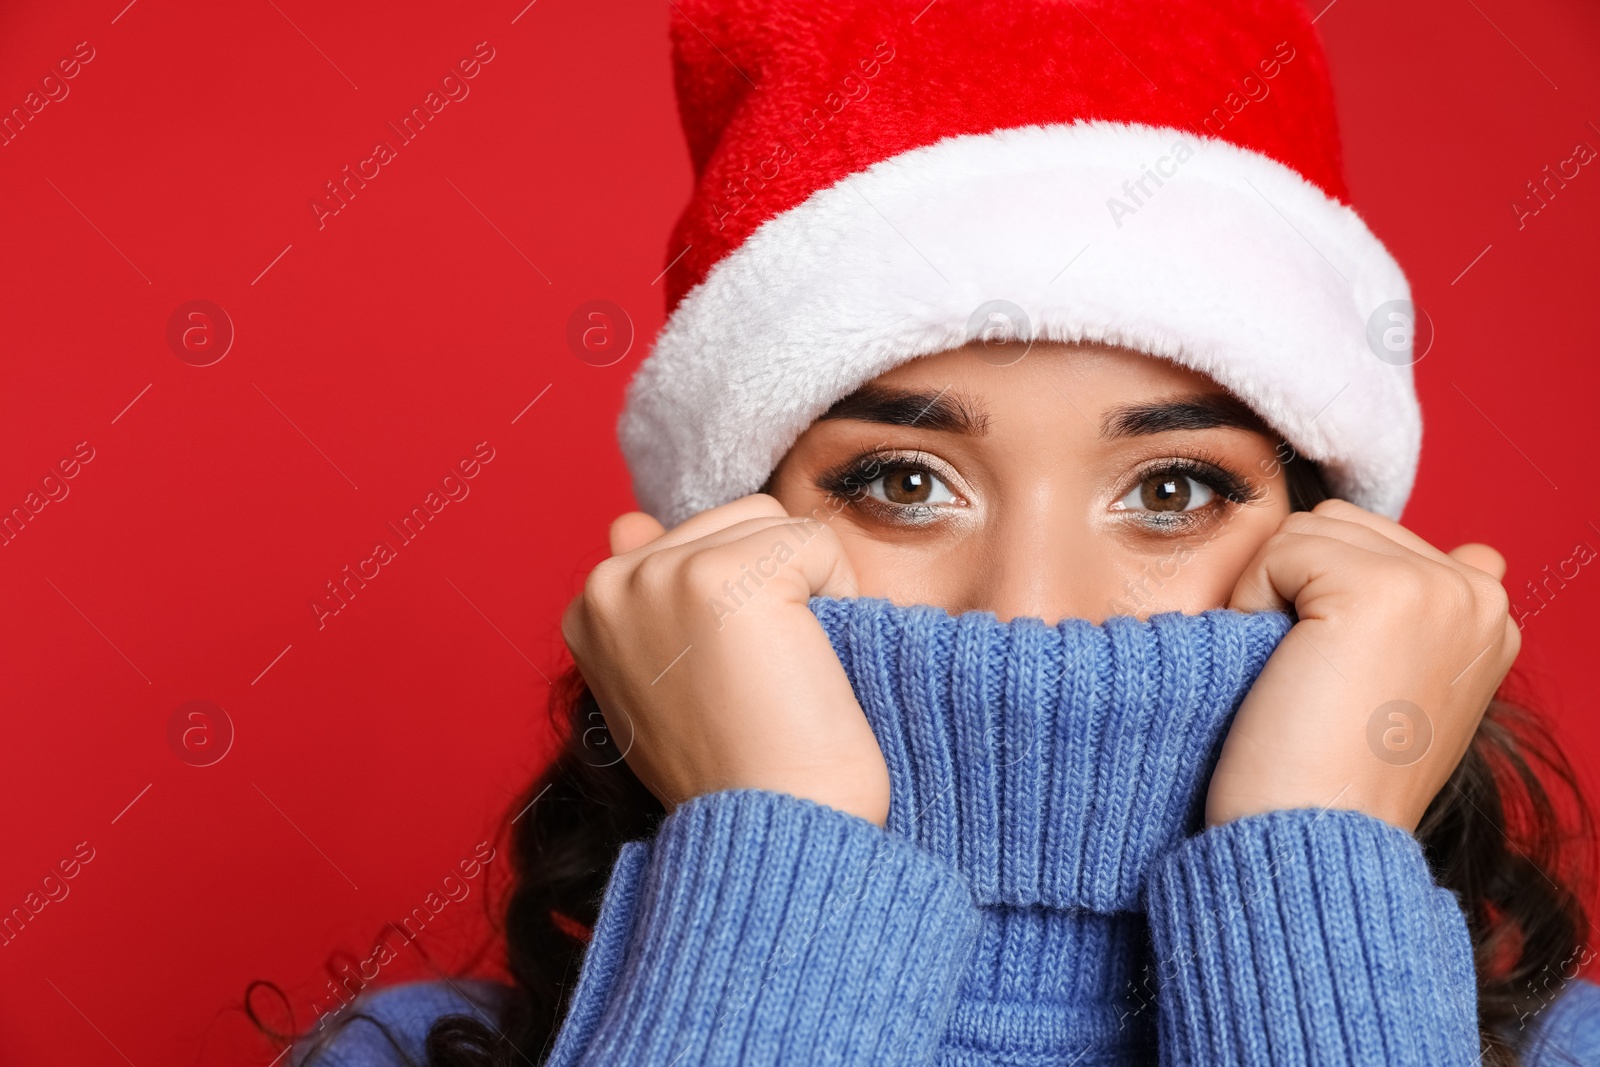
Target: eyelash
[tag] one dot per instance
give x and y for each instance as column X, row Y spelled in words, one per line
column 850, row 481
column 1203, row 467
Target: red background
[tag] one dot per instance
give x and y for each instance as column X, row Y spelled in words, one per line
column 371, row 355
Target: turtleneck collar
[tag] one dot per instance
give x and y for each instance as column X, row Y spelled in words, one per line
column 1049, row 764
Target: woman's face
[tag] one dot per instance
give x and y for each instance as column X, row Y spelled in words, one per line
column 1077, row 481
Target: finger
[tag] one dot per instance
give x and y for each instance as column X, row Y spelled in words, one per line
column 820, row 559
column 633, row 530
column 755, row 506
column 1285, row 566
column 1513, row 638
column 1349, row 531
column 752, row 528
column 1481, row 556
column 1336, row 508
column 761, row 545
column 572, row 620
column 1475, row 555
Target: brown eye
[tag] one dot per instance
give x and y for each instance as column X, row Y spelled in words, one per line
column 1168, row 491
column 908, row 485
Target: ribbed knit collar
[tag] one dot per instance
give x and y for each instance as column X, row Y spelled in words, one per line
column 1050, row 764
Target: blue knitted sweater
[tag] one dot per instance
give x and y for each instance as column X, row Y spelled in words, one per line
column 1043, row 892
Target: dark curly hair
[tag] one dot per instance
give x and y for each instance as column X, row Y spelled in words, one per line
column 1510, row 834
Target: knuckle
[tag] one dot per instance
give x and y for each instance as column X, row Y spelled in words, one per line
column 571, row 623
column 1493, row 600
column 1493, row 613
column 1458, row 591
column 811, row 532
column 1410, row 585
column 1282, row 540
column 602, row 582
column 1513, row 646
column 1454, row 595
column 1299, row 522
column 760, row 505
column 653, row 574
column 703, row 571
column 766, row 501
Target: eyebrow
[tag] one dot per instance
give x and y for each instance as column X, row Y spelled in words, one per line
column 953, row 412
column 1188, row 411
column 950, row 412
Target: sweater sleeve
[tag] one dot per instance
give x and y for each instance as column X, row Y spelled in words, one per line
column 762, row 928
column 1309, row 937
column 1563, row 1031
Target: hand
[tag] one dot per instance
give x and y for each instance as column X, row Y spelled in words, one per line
column 710, row 668
column 1383, row 617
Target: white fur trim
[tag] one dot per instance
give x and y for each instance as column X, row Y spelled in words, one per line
column 1235, row 266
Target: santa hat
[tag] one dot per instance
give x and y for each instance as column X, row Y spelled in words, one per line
column 876, row 180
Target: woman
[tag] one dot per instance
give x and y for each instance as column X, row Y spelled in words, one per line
column 1018, row 659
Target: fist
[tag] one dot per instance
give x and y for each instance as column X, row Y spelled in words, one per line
column 1373, row 696
column 709, row 667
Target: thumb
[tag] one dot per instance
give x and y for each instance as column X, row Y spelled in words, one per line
column 633, row 529
column 823, row 562
column 1482, row 557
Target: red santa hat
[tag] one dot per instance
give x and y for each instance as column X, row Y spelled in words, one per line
column 877, row 179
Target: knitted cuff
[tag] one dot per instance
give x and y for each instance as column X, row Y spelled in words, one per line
column 762, row 928
column 1309, row 936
